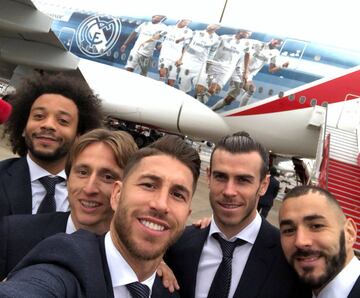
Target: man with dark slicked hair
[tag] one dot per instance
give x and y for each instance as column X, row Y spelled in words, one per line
column 239, row 254
column 318, row 240
column 49, row 112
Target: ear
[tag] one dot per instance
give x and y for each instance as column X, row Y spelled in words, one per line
column 208, row 175
column 264, row 185
column 350, row 232
column 115, row 195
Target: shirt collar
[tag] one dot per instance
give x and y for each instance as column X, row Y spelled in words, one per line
column 70, row 226
column 343, row 283
column 120, row 271
column 249, row 233
column 37, row 172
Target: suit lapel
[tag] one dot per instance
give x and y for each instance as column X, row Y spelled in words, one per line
column 109, row 287
column 194, row 247
column 57, row 223
column 258, row 264
column 355, row 291
column 17, row 187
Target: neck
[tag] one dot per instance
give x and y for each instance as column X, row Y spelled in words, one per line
column 53, row 167
column 98, row 229
column 142, row 268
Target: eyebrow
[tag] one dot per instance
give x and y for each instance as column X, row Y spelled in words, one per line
column 158, row 179
column 44, row 109
column 307, row 218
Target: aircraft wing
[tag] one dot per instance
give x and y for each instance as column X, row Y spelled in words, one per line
column 26, row 40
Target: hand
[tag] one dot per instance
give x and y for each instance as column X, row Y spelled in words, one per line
column 285, row 65
column 202, row 223
column 168, row 278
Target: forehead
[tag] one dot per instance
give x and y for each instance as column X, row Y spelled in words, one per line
column 166, row 168
column 236, row 163
column 309, row 204
column 96, row 154
column 55, row 102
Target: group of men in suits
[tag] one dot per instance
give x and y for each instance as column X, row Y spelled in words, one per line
column 151, row 205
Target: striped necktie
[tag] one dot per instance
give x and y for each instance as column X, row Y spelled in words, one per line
column 48, row 204
column 220, row 286
column 138, row 290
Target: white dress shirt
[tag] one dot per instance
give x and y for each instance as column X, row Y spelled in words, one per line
column 70, row 226
column 120, row 271
column 343, row 283
column 39, row 192
column 211, row 257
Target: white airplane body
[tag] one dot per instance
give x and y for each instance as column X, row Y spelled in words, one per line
column 285, row 114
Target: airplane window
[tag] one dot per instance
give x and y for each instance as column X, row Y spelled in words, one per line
column 271, row 92
column 302, row 99
column 123, row 57
column 281, row 94
column 313, row 102
column 317, row 58
column 291, row 97
column 324, row 104
column 116, row 55
column 124, row 20
column 260, row 89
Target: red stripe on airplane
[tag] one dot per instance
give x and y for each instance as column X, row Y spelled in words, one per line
column 332, row 91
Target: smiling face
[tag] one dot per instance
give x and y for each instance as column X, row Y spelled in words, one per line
column 316, row 238
column 51, row 127
column 152, row 206
column 90, row 185
column 235, row 188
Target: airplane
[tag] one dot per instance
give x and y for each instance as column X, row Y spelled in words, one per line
column 285, row 113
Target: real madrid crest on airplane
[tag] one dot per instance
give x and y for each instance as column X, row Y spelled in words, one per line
column 97, row 34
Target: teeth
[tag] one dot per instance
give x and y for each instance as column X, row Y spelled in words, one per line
column 152, row 225
column 89, row 204
column 230, row 206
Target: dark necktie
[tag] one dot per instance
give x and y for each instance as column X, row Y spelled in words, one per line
column 48, row 204
column 220, row 286
column 138, row 290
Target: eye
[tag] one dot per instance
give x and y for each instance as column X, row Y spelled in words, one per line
column 110, row 178
column 64, row 122
column 287, row 231
column 316, row 226
column 148, row 185
column 178, row 195
column 219, row 176
column 38, row 116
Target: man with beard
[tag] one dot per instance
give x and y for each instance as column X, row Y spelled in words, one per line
column 49, row 112
column 239, row 254
column 318, row 240
column 151, row 207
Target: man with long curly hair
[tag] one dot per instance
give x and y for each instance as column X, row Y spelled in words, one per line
column 49, row 112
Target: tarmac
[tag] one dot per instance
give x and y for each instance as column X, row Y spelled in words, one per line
column 200, row 203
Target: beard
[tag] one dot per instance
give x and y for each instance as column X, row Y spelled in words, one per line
column 123, row 229
column 333, row 265
column 57, row 154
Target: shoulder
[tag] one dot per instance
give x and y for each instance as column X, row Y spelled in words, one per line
column 8, row 163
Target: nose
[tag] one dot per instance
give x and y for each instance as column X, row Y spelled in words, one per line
column 91, row 185
column 229, row 188
column 159, row 201
column 49, row 123
column 302, row 238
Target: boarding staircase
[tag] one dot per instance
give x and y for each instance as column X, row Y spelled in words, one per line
column 340, row 171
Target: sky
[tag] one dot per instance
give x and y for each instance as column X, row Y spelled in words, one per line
column 333, row 23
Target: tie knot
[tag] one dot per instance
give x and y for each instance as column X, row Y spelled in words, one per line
column 138, row 290
column 228, row 247
column 50, row 182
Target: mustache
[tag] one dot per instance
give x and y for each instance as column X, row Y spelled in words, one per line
column 306, row 253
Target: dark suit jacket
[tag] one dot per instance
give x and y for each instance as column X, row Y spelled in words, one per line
column 15, row 187
column 272, row 191
column 20, row 233
column 266, row 272
column 66, row 266
column 355, row 292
